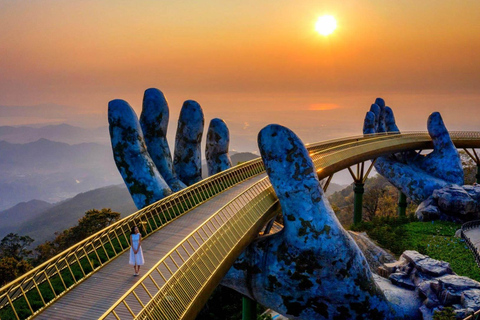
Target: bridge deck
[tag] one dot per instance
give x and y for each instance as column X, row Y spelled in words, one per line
column 95, row 295
column 474, row 236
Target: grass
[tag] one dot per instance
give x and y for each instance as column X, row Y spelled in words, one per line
column 435, row 239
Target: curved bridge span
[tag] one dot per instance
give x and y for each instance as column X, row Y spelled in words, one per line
column 195, row 235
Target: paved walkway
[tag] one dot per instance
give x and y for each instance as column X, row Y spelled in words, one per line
column 95, row 295
column 474, row 236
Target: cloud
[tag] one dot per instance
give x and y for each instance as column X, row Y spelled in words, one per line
column 323, row 106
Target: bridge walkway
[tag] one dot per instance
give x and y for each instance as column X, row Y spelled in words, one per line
column 90, row 299
column 471, row 234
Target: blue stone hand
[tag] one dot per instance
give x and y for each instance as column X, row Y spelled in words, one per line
column 312, row 269
column 415, row 174
column 154, row 122
column 141, row 151
column 216, row 149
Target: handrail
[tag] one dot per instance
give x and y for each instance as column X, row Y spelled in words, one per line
column 72, row 266
column 93, row 251
column 174, row 282
column 81, row 260
column 183, row 288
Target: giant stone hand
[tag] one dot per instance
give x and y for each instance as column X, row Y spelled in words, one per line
column 141, row 151
column 312, row 269
column 415, row 174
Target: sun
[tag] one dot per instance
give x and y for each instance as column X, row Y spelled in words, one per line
column 326, row 25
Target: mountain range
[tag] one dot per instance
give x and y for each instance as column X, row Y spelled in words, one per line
column 53, row 171
column 59, row 133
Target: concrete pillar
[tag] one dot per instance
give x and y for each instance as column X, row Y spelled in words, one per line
column 249, row 309
column 358, row 191
column 402, row 204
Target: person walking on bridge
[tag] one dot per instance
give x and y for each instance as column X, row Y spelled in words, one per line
column 136, row 253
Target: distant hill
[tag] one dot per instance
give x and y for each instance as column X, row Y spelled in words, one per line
column 53, row 171
column 59, row 133
column 22, row 212
column 236, row 157
column 67, row 213
column 242, row 157
column 333, row 187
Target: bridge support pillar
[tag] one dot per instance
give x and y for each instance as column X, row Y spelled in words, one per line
column 249, row 309
column 402, row 204
column 358, row 190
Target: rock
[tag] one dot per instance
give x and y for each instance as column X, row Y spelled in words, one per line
column 216, row 148
column 392, row 267
column 471, row 299
column 428, row 210
column 427, row 313
column 450, row 297
column 426, row 292
column 376, row 256
column 187, row 156
column 463, row 313
column 401, row 279
column 426, row 264
column 473, row 192
column 454, row 198
column 458, row 283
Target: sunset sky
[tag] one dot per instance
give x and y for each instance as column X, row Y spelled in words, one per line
column 249, row 62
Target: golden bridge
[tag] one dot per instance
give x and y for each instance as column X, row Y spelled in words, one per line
column 191, row 239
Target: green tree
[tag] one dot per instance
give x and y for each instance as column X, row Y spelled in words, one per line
column 15, row 246
column 93, row 221
column 11, row 268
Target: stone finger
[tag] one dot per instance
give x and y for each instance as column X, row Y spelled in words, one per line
column 216, row 148
column 369, row 123
column 390, row 123
column 307, row 214
column 187, row 156
column 154, row 122
column 376, row 110
column 381, row 119
column 141, row 177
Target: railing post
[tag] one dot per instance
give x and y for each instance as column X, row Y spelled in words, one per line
column 358, row 191
column 402, row 204
column 249, row 309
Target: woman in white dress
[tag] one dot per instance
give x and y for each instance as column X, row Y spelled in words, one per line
column 136, row 253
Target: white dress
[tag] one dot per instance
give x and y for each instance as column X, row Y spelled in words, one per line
column 136, row 259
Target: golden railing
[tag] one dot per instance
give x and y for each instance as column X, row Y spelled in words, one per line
column 35, row 290
column 32, row 292
column 180, row 283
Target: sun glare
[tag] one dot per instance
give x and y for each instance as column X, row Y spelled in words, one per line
column 326, row 25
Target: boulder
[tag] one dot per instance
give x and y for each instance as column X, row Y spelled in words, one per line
column 426, row 264
column 455, row 199
column 471, row 299
column 428, row 210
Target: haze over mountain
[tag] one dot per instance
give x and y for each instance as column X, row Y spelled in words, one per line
column 53, row 171
column 59, row 133
column 41, row 226
column 23, row 212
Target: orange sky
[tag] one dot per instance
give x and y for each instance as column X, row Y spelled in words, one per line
column 249, row 62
